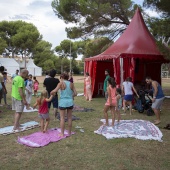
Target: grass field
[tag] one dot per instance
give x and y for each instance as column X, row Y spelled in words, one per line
column 86, row 151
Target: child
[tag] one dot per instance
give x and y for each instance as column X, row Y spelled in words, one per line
column 119, row 102
column 28, row 90
column 42, row 102
column 36, row 84
column 111, row 102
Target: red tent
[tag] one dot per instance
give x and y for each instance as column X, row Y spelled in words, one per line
column 134, row 54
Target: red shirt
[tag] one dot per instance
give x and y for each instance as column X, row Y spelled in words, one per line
column 43, row 109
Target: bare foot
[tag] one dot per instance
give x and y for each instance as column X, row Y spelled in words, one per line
column 60, row 135
column 157, row 122
column 17, row 129
column 69, row 134
column 45, row 130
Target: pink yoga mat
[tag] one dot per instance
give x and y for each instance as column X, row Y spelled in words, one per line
column 39, row 139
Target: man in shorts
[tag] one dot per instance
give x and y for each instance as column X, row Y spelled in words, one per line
column 18, row 97
column 51, row 83
column 158, row 97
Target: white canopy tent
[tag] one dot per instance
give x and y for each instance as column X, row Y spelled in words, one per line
column 33, row 69
column 10, row 64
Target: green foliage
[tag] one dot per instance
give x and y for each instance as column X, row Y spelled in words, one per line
column 48, row 64
column 97, row 17
column 159, row 5
column 96, row 46
column 43, row 53
column 19, row 35
column 160, row 27
column 3, row 45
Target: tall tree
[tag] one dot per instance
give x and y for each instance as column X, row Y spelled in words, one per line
column 43, row 55
column 66, row 49
column 3, row 45
column 160, row 27
column 162, row 6
column 94, row 17
column 19, row 35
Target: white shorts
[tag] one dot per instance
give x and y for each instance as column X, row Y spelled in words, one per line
column 158, row 103
column 28, row 97
column 17, row 105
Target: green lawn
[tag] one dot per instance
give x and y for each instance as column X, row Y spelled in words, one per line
column 86, row 151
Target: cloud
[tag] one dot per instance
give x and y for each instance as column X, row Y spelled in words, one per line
column 40, row 13
column 37, row 12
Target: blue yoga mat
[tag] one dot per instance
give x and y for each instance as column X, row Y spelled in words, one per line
column 25, row 126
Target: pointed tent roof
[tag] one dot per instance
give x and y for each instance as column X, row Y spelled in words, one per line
column 136, row 41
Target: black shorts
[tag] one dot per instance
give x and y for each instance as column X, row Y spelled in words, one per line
column 65, row 108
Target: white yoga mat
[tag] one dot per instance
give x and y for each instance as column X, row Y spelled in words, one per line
column 31, row 110
column 139, row 129
column 25, row 126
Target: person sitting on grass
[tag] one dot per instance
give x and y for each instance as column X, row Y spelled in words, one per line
column 111, row 102
column 43, row 113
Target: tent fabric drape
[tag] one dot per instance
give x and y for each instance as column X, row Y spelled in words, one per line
column 138, row 52
column 90, row 67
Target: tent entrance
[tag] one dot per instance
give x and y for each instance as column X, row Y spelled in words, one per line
column 100, row 75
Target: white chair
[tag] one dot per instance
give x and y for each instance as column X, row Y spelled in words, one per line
column 100, row 88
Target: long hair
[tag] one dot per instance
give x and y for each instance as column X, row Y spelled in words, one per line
column 119, row 91
column 112, row 82
column 44, row 94
column 129, row 79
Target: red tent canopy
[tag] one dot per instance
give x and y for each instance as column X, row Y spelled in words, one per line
column 134, row 54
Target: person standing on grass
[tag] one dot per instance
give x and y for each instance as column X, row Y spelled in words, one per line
column 119, row 102
column 18, row 97
column 50, row 84
column 15, row 74
column 28, row 90
column 111, row 102
column 127, row 88
column 70, row 77
column 35, row 85
column 4, row 94
column 105, row 84
column 67, row 93
column 158, row 97
column 88, row 85
column 2, row 85
column 43, row 113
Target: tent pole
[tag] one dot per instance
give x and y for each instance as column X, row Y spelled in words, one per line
column 121, row 71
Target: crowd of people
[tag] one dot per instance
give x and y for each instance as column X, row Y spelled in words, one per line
column 24, row 86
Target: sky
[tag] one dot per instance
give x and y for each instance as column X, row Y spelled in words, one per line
column 40, row 13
